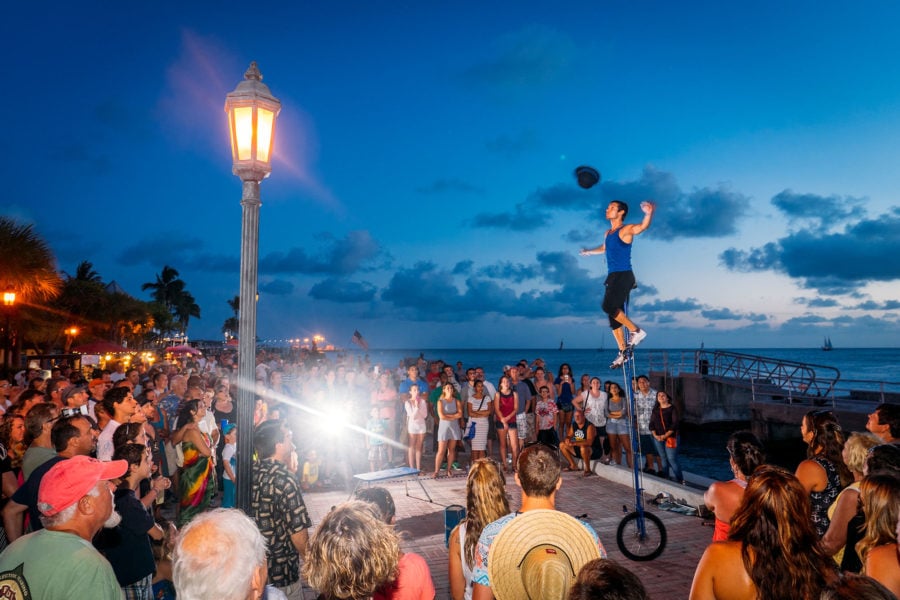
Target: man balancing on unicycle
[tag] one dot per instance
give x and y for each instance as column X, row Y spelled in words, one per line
column 620, row 281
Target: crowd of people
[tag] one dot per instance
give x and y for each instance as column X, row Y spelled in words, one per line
column 827, row 530
column 123, row 469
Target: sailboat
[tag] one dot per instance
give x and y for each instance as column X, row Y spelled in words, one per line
column 826, row 346
column 560, row 344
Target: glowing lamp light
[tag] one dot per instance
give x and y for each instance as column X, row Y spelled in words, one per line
column 9, row 298
column 252, row 110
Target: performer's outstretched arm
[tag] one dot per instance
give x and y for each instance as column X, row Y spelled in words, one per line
column 629, row 231
column 598, row 250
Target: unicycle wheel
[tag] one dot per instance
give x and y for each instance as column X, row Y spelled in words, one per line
column 641, row 537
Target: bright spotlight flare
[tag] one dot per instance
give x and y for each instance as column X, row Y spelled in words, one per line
column 587, row 176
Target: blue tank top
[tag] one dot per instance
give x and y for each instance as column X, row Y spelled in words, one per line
column 618, row 253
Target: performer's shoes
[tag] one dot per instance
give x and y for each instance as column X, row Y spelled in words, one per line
column 619, row 360
column 636, row 337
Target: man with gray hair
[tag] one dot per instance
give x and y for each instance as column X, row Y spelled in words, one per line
column 76, row 501
column 221, row 554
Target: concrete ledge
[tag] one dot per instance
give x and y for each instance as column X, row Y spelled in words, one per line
column 692, row 493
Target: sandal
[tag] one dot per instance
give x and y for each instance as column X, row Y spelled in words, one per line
column 569, row 469
column 588, row 474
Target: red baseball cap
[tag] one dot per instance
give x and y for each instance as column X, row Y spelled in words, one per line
column 71, row 479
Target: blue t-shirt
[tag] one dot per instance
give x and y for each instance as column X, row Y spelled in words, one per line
column 407, row 383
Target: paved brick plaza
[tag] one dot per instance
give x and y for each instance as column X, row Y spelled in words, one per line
column 422, row 526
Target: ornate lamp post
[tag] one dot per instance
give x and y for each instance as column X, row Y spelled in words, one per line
column 9, row 303
column 252, row 110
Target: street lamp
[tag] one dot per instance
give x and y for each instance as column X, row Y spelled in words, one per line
column 252, row 110
column 71, row 332
column 9, row 303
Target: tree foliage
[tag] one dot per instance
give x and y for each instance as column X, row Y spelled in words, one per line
column 179, row 305
column 29, row 266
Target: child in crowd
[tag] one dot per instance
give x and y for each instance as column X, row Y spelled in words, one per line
column 310, row 478
column 229, row 464
column 546, row 410
column 376, row 427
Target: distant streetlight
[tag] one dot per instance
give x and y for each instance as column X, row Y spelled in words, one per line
column 9, row 303
column 71, row 332
column 252, row 110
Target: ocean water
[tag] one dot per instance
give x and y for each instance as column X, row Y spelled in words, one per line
column 703, row 449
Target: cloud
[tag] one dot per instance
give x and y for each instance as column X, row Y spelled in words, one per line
column 672, row 305
column 535, row 212
column 450, row 186
column 520, row 219
column 805, row 320
column 513, row 146
column 818, row 212
column 872, row 305
column 357, row 251
column 834, row 263
column 818, row 302
column 575, row 236
column 277, row 287
column 341, row 290
column 509, row 271
column 534, row 56
column 463, row 267
column 179, row 251
column 720, row 314
column 555, row 286
column 701, row 213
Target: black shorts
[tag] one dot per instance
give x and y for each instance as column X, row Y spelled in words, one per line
column 618, row 287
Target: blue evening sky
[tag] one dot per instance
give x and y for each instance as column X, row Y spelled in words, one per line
column 422, row 188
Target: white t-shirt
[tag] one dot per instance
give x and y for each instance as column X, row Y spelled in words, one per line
column 227, row 455
column 595, row 409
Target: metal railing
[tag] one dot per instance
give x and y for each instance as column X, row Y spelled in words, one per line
column 774, row 378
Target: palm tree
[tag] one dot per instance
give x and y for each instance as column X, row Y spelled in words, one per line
column 167, row 288
column 85, row 272
column 185, row 308
column 169, row 291
column 29, row 267
column 231, row 324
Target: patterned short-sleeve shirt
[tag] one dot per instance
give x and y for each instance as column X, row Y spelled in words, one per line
column 278, row 509
column 644, row 404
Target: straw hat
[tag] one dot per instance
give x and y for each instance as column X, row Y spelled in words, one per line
column 538, row 554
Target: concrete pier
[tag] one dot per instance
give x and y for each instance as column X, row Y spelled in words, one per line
column 772, row 394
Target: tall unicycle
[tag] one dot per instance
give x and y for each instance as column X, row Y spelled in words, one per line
column 641, row 535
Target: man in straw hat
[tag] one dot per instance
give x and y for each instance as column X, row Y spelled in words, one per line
column 76, row 501
column 537, row 551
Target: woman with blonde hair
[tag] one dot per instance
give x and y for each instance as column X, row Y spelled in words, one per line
column 842, row 513
column 880, row 496
column 486, row 501
column 352, row 554
column 823, row 474
column 772, row 551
